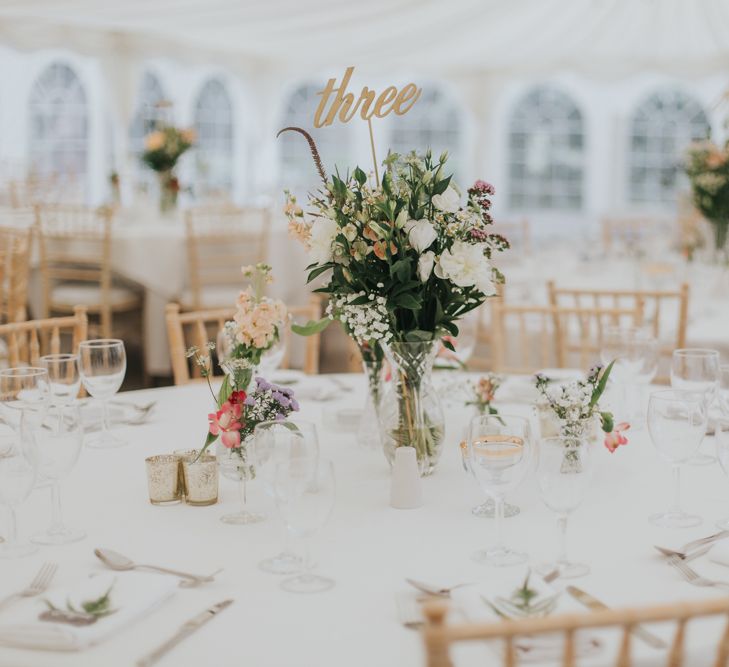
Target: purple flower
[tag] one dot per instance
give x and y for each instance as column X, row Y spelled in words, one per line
column 250, row 400
column 262, row 384
column 294, row 404
column 279, row 417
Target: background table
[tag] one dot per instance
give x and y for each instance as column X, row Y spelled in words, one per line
column 367, row 546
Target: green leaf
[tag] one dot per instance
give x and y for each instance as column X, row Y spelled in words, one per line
column 312, row 327
column 360, row 176
column 602, row 383
column 360, row 301
column 608, row 421
column 319, row 270
column 401, row 269
column 408, row 301
column 441, row 186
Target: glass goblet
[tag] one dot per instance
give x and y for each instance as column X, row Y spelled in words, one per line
column 305, row 497
column 677, row 425
column 724, row 389
column 102, row 366
column 564, row 472
column 58, row 441
column 499, row 455
column 721, row 437
column 277, row 442
column 63, row 376
column 697, row 370
column 24, row 394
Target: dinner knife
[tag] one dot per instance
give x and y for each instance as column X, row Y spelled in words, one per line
column 186, row 630
column 593, row 603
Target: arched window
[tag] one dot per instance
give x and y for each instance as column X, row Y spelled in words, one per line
column 434, row 122
column 151, row 110
column 297, row 170
column 59, row 126
column 546, row 162
column 214, row 143
column 660, row 129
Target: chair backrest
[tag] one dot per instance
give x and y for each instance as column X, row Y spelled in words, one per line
column 219, row 242
column 528, row 338
column 517, row 232
column 75, row 246
column 439, row 635
column 15, row 248
column 27, row 341
column 664, row 312
column 303, row 314
column 197, row 328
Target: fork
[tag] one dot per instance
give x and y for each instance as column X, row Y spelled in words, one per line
column 36, row 587
column 692, row 576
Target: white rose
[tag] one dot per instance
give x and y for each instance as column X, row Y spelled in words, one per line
column 425, row 265
column 323, row 233
column 466, row 266
column 350, row 232
column 449, row 201
column 421, row 234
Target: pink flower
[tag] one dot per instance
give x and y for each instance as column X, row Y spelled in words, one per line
column 226, row 423
column 616, row 438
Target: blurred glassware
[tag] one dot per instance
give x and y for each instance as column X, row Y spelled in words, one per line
column 238, row 465
column 102, row 366
column 721, row 438
column 275, row 443
column 24, row 393
column 677, row 425
column 500, row 451
column 464, row 343
column 305, row 496
column 64, row 378
column 697, row 370
column 58, row 441
column 724, row 389
column 564, row 474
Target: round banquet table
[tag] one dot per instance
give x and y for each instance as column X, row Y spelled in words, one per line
column 367, row 547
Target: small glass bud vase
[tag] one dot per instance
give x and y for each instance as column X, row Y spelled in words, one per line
column 200, row 474
column 411, row 414
column 368, row 433
column 235, row 464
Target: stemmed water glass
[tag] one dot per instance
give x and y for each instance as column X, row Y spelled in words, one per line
column 277, row 442
column 564, row 473
column 63, row 378
column 305, row 497
column 724, row 389
column 58, row 440
column 677, row 424
column 499, row 455
column 102, row 365
column 721, row 436
column 697, row 370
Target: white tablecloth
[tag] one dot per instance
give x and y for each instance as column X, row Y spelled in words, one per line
column 367, row 546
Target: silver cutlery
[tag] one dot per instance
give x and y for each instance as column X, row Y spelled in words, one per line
column 435, row 591
column 195, row 623
column 508, row 609
column 684, row 551
column 693, row 577
column 686, row 558
column 117, row 561
column 39, row 584
column 596, row 605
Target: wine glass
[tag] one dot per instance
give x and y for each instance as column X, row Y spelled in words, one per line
column 63, row 378
column 305, row 497
column 102, row 365
column 24, row 393
column 635, row 353
column 499, row 455
column 697, row 370
column 276, row 442
column 721, row 436
column 564, row 474
column 724, row 389
column 677, row 424
column 58, row 441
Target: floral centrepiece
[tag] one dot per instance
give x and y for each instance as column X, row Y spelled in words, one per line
column 707, row 167
column 576, row 407
column 162, row 149
column 483, row 393
column 414, row 256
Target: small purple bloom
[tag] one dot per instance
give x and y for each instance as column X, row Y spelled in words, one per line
column 294, row 404
column 250, row 400
column 279, row 417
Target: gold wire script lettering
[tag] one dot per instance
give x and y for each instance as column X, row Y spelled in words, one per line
column 368, row 104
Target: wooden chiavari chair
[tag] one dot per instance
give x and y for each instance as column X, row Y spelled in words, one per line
column 27, row 341
column 15, row 247
column 653, row 304
column 219, row 242
column 75, row 260
column 527, row 338
column 197, row 328
column 439, row 635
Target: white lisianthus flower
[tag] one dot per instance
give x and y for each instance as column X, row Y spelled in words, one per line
column 449, row 201
column 402, row 219
column 466, row 266
column 426, row 261
column 350, row 232
column 323, row 233
column 421, row 234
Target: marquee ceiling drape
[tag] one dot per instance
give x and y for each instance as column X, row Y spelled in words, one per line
column 602, row 37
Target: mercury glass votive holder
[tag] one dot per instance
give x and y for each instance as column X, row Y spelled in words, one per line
column 164, row 479
column 200, row 476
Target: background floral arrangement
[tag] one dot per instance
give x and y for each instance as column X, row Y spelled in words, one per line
column 707, row 166
column 483, row 393
column 163, row 147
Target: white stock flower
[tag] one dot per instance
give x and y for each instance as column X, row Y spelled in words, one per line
column 323, row 232
column 425, row 265
column 466, row 266
column 421, row 234
column 350, row 232
column 449, row 201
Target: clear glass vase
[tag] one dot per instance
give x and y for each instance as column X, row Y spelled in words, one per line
column 235, row 464
column 411, row 414
column 368, row 432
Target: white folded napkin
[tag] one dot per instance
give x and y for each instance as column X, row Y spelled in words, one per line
column 719, row 553
column 133, row 594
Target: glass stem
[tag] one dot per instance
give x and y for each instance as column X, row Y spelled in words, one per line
column 12, row 537
column 106, row 427
column 56, row 512
column 499, row 517
column 243, row 491
column 562, row 523
column 676, row 508
column 306, row 565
